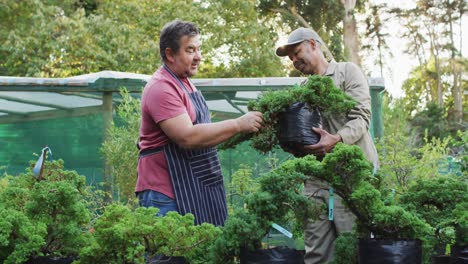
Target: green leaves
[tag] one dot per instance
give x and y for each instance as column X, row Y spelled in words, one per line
column 438, row 202
column 318, row 92
column 122, row 235
column 280, row 200
column 50, row 214
column 350, row 174
column 19, row 236
column 61, row 38
column 120, row 145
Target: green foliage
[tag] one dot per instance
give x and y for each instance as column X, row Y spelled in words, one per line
column 52, row 209
column 406, row 157
column 419, row 168
column 459, row 145
column 346, row 249
column 350, row 174
column 20, row 237
column 51, row 216
column 439, row 75
column 242, row 181
column 238, row 42
column 324, row 16
column 3, row 182
column 240, row 186
column 402, row 163
column 241, row 230
column 73, row 37
column 318, row 92
column 435, row 200
column 432, row 123
column 279, row 200
column 460, row 218
column 120, row 145
column 125, row 236
column 397, row 160
column 394, row 222
column 283, row 201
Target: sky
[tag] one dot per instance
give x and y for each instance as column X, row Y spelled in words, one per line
column 400, row 65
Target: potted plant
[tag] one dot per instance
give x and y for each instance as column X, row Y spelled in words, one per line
column 290, row 114
column 435, row 200
column 379, row 221
column 122, row 235
column 350, row 174
column 43, row 219
column 280, row 199
column 279, row 202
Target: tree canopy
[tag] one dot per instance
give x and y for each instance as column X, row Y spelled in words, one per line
column 72, row 37
column 61, row 38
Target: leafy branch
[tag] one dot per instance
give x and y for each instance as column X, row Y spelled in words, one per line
column 317, row 92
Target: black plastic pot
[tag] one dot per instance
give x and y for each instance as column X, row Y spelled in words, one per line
column 160, row 259
column 51, row 260
column 296, row 125
column 372, row 251
column 277, row 255
column 459, row 255
column 440, row 259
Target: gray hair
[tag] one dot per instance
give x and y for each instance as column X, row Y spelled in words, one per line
column 171, row 34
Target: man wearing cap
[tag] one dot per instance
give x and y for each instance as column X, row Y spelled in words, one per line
column 304, row 50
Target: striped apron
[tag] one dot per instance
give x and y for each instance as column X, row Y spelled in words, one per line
column 196, row 174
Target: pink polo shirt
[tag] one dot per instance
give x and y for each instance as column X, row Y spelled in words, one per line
column 162, row 99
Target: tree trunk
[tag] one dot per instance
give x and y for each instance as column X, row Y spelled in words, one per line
column 457, row 97
column 350, row 35
column 434, row 48
column 456, row 72
column 440, row 93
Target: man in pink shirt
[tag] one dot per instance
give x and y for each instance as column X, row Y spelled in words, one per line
column 179, row 169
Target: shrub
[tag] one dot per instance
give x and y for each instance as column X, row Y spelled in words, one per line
column 125, row 236
column 436, row 200
column 52, row 209
column 279, row 200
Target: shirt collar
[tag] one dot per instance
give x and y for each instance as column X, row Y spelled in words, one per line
column 331, row 68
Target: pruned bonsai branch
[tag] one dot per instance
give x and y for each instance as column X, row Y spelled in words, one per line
column 317, row 92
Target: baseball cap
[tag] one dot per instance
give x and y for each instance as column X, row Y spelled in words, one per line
column 297, row 36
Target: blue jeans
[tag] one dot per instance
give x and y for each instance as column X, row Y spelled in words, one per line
column 150, row 198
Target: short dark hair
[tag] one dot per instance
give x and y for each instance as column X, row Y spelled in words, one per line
column 171, row 34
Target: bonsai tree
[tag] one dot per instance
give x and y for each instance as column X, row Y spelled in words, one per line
column 44, row 216
column 124, row 236
column 279, row 200
column 280, row 197
column 435, row 200
column 318, row 92
column 19, row 237
column 350, row 174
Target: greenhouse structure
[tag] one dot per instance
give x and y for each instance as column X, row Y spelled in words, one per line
column 71, row 115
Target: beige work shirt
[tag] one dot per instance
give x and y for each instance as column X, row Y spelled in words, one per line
column 353, row 126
